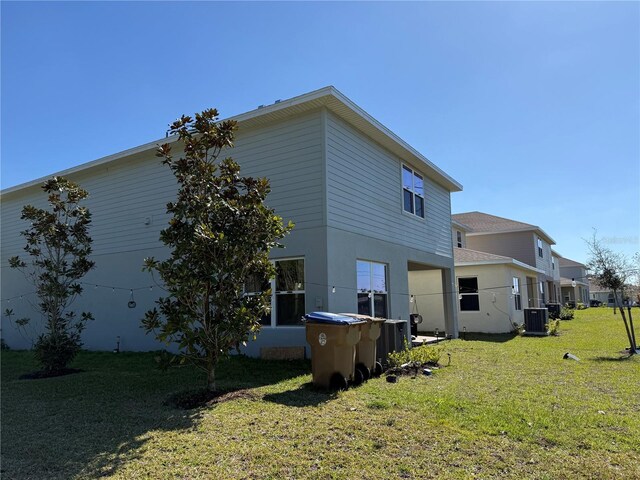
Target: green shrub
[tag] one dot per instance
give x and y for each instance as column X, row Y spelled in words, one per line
column 423, row 354
column 566, row 314
column 518, row 328
column 3, row 345
column 54, row 351
column 580, row 306
column 553, row 327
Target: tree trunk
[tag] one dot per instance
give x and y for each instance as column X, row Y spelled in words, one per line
column 633, row 333
column 211, row 376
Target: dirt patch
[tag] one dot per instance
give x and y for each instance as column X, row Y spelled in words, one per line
column 44, row 374
column 202, row 398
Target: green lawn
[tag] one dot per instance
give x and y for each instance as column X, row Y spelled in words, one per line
column 505, row 408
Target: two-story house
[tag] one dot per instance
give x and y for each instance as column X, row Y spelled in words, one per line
column 372, row 215
column 574, row 282
column 524, row 242
column 501, row 267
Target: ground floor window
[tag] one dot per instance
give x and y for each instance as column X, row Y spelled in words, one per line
column 542, row 293
column 516, row 293
column 288, row 293
column 372, row 289
column 468, row 294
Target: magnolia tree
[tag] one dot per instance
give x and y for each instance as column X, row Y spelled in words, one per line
column 220, row 235
column 613, row 271
column 58, row 247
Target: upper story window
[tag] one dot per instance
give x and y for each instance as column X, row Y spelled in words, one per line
column 459, row 238
column 539, row 247
column 553, row 263
column 412, row 191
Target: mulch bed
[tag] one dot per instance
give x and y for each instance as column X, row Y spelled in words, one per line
column 203, row 398
column 45, row 374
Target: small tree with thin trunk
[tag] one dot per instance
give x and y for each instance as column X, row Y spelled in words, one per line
column 220, row 235
column 58, row 244
column 612, row 271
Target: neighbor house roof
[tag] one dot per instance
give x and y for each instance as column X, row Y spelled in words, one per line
column 460, row 226
column 594, row 286
column 328, row 97
column 464, row 256
column 565, row 262
column 485, row 224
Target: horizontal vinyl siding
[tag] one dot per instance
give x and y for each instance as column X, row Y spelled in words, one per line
column 290, row 155
column 364, row 194
column 120, row 198
column 123, row 194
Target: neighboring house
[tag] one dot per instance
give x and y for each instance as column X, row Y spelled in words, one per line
column 574, row 282
column 372, row 216
column 527, row 243
column 491, row 290
column 605, row 295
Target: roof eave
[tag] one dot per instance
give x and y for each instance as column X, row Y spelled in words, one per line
column 329, row 97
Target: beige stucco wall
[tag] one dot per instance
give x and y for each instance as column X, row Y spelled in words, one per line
column 426, row 287
column 497, row 307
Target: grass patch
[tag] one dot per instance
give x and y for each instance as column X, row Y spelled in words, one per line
column 506, row 407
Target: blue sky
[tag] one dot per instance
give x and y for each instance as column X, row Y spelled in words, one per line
column 533, row 107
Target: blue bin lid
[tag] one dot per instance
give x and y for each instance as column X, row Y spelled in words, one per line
column 331, row 318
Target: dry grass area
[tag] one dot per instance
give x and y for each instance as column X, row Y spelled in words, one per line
column 506, row 407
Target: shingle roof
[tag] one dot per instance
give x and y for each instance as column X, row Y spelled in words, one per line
column 565, row 262
column 480, row 223
column 466, row 255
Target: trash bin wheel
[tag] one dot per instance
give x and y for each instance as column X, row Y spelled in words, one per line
column 358, row 377
column 366, row 373
column 377, row 369
column 338, row 382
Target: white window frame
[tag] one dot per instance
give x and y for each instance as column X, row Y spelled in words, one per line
column 517, row 296
column 459, row 239
column 540, row 252
column 476, row 294
column 370, row 291
column 274, row 294
column 412, row 191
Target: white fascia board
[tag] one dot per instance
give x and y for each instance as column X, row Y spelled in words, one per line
column 506, row 261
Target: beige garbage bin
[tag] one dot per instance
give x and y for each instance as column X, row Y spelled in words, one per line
column 366, row 354
column 333, row 340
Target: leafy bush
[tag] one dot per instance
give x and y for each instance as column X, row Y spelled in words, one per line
column 423, row 354
column 518, row 328
column 3, row 345
column 55, row 350
column 580, row 306
column 566, row 314
column 553, row 327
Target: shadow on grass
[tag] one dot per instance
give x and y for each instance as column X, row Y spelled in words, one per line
column 488, row 337
column 621, row 358
column 91, row 424
column 304, row 396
